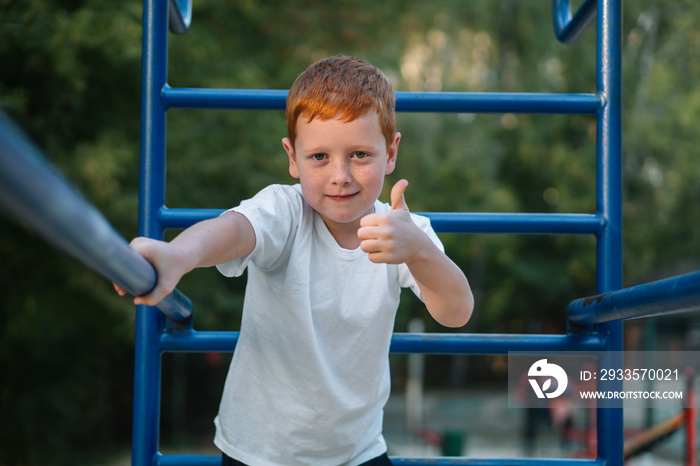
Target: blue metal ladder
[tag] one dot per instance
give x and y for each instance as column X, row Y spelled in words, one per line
column 155, row 336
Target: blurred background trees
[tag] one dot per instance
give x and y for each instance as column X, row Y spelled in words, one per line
column 70, row 76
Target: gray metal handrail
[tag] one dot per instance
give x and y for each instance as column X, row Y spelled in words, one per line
column 36, row 194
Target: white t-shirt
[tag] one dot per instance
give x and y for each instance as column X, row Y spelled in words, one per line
column 310, row 374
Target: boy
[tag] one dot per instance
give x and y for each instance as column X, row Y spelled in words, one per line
column 326, row 260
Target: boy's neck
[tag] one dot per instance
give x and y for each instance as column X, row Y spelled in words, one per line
column 347, row 240
column 345, row 235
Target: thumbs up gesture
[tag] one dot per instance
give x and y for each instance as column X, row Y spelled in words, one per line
column 398, row 201
column 392, row 237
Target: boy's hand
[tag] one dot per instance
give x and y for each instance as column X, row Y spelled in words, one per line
column 392, row 237
column 204, row 244
column 161, row 255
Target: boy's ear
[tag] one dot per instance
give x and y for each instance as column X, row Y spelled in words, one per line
column 289, row 148
column 392, row 152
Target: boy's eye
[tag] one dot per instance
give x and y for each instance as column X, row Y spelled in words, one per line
column 360, row 155
column 318, row 157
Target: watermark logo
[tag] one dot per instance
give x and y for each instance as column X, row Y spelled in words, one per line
column 551, row 371
column 609, row 379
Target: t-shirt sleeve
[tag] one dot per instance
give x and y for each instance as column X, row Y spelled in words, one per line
column 405, row 278
column 274, row 213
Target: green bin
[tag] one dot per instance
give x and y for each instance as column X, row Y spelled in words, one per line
column 452, row 443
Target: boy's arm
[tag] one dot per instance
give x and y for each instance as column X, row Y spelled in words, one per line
column 443, row 286
column 393, row 238
column 211, row 242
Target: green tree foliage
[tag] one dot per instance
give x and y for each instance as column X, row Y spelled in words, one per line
column 70, row 76
column 65, row 341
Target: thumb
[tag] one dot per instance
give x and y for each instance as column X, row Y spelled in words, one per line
column 398, row 202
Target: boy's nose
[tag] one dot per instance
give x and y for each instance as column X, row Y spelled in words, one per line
column 340, row 173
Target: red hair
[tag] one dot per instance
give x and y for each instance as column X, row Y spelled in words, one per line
column 341, row 87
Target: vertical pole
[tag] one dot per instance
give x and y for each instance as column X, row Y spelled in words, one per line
column 414, row 384
column 609, row 200
column 149, row 322
column 691, row 431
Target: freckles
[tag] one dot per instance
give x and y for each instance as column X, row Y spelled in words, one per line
column 368, row 173
column 313, row 177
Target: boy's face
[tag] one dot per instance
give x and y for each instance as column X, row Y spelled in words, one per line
column 341, row 167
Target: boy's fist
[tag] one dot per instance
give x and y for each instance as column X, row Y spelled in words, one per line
column 160, row 255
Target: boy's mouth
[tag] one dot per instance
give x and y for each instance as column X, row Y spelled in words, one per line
column 341, row 197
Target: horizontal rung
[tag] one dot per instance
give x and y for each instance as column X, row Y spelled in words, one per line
column 561, row 224
column 184, row 218
column 497, row 102
column 492, row 343
column 202, row 460
column 428, row 343
column 443, row 102
column 445, row 222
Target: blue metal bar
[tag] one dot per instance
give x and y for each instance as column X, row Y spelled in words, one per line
column 193, row 341
column 36, row 193
column 445, row 222
column 609, row 205
column 451, row 343
column 188, row 460
column 559, row 224
column 396, row 461
column 180, row 16
column 428, row 343
column 204, row 460
column 185, row 218
column 147, row 361
column 443, row 102
column 568, row 28
column 668, row 296
column 232, row 99
column 470, row 102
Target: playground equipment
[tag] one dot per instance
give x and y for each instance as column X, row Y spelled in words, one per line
column 605, row 224
column 594, row 323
